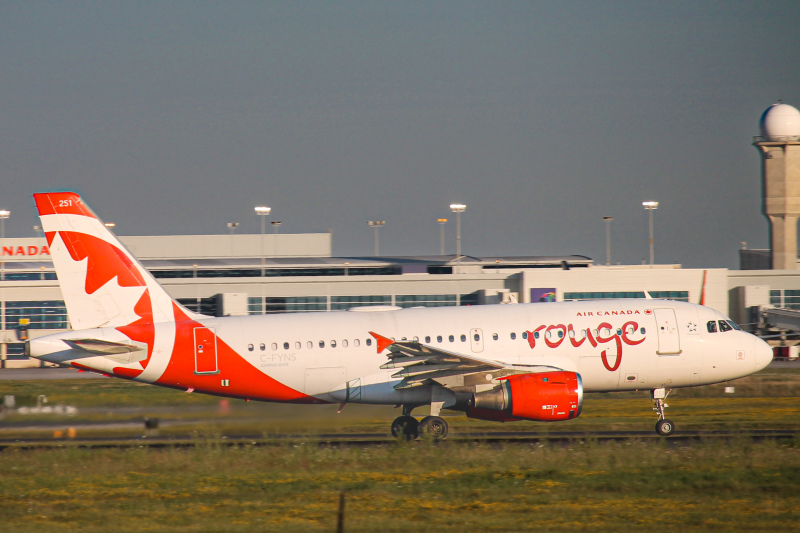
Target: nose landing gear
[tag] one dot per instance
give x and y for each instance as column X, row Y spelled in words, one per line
column 664, row 427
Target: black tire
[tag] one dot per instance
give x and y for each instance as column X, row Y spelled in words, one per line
column 665, row 427
column 405, row 427
column 433, row 427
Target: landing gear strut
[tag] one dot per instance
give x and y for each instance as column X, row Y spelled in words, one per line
column 664, row 427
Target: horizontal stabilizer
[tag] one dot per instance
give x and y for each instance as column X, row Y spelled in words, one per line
column 124, row 352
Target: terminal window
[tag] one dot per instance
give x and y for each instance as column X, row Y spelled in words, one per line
column 295, row 304
column 681, row 296
column 786, row 298
column 346, row 302
column 16, row 352
column 43, row 314
column 425, row 300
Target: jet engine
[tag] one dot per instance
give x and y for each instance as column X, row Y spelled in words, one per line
column 546, row 397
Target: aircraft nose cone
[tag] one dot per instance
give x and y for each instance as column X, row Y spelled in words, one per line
column 763, row 354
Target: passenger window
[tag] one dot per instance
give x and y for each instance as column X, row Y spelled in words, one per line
column 452, row 339
column 250, row 347
column 642, row 331
column 427, row 339
column 712, row 326
column 619, row 331
column 297, row 345
column 333, row 344
column 438, row 338
column 494, row 336
column 356, row 343
column 369, row 342
column 477, row 337
column 513, row 336
column 344, row 343
column 524, row 334
column 724, row 326
column 309, row 345
column 285, row 345
column 572, row 334
column 274, row 346
column 560, row 333
column 262, row 346
column 321, row 344
column 415, row 338
column 463, row 338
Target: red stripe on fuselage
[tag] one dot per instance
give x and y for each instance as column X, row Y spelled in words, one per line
column 244, row 380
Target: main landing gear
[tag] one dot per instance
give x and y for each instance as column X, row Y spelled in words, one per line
column 664, row 427
column 407, row 427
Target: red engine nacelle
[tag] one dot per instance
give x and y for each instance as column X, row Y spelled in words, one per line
column 547, row 396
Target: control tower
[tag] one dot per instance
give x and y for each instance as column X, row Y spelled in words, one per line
column 779, row 146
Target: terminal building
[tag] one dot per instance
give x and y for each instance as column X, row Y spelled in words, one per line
column 288, row 273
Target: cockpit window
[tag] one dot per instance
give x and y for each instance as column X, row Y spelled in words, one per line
column 724, row 326
column 712, row 326
column 733, row 325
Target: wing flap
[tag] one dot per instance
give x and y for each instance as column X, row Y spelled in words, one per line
column 420, row 362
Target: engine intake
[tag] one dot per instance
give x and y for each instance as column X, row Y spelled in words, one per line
column 547, row 397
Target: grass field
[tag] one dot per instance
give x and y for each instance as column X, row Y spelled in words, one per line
column 731, row 486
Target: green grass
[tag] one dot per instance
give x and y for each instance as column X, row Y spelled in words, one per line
column 731, row 486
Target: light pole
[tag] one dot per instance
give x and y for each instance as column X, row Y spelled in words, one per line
column 376, row 225
column 442, row 222
column 608, row 239
column 263, row 211
column 275, row 225
column 232, row 228
column 458, row 209
column 650, row 207
column 4, row 214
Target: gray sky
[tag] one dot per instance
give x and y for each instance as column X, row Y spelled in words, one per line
column 543, row 117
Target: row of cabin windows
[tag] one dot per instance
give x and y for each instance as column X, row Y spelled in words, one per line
column 724, row 325
column 451, row 338
column 309, row 345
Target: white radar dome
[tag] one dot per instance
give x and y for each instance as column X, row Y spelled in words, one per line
column 780, row 122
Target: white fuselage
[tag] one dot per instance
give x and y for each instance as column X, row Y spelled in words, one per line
column 614, row 345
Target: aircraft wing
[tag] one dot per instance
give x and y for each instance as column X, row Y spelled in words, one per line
column 418, row 362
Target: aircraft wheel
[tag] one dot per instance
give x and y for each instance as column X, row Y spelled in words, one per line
column 665, row 427
column 433, row 427
column 406, row 427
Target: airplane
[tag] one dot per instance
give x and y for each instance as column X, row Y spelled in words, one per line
column 493, row 362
